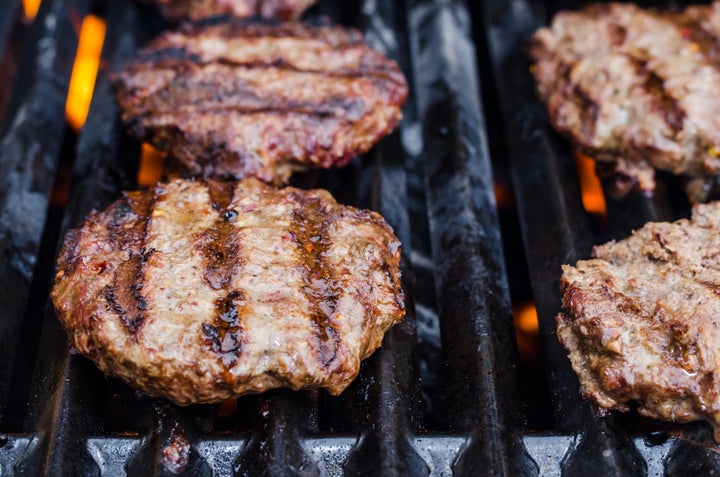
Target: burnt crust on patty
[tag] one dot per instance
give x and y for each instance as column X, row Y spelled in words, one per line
column 641, row 322
column 199, row 291
column 239, row 99
column 633, row 87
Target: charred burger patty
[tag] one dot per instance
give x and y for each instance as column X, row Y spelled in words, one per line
column 238, row 99
column 637, row 88
column 199, row 9
column 199, row 291
column 641, row 320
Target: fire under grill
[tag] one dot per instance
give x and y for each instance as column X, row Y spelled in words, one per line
column 483, row 194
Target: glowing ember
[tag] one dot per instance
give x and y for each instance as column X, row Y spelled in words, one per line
column 503, row 196
column 87, row 61
column 151, row 164
column 592, row 194
column 227, row 407
column 30, row 8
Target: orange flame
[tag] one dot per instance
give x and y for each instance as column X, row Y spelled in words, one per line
column 527, row 329
column 151, row 165
column 526, row 318
column 30, row 8
column 85, row 68
column 593, row 198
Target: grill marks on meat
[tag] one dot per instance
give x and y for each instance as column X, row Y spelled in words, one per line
column 227, row 334
column 640, row 320
column 200, row 9
column 320, row 281
column 636, row 88
column 237, row 99
column 200, row 291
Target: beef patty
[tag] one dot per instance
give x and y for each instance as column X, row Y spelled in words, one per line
column 199, row 291
column 641, row 320
column 238, row 99
column 637, row 88
column 199, row 9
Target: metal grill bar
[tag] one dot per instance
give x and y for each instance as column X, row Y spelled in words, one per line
column 556, row 231
column 29, row 156
column 391, row 412
column 474, row 304
column 70, row 395
column 8, row 14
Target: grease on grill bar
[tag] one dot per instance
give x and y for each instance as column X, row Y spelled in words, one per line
column 442, row 395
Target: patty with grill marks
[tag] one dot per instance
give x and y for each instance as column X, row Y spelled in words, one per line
column 637, row 88
column 199, row 291
column 641, row 320
column 200, row 9
column 238, row 99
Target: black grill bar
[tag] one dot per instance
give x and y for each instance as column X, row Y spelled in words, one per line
column 556, row 230
column 631, row 212
column 389, row 382
column 279, row 450
column 8, row 14
column 474, row 304
column 391, row 409
column 29, row 156
column 70, row 395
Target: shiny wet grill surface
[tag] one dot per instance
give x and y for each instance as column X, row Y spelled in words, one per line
column 443, row 395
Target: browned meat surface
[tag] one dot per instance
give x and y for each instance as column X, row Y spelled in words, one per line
column 641, row 321
column 238, row 99
column 199, row 291
column 199, row 9
column 637, row 88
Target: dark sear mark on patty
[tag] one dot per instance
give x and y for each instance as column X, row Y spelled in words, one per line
column 668, row 106
column 131, row 305
column 125, row 293
column 222, row 251
column 221, row 193
column 236, row 99
column 216, row 291
column 309, row 234
column 220, row 245
column 226, row 333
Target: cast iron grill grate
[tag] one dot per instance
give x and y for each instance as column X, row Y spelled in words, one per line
column 441, row 396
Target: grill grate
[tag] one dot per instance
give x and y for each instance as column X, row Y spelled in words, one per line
column 441, row 396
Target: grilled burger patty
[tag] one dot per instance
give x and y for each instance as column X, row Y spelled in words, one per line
column 238, row 99
column 199, row 9
column 199, row 291
column 641, row 320
column 638, row 88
